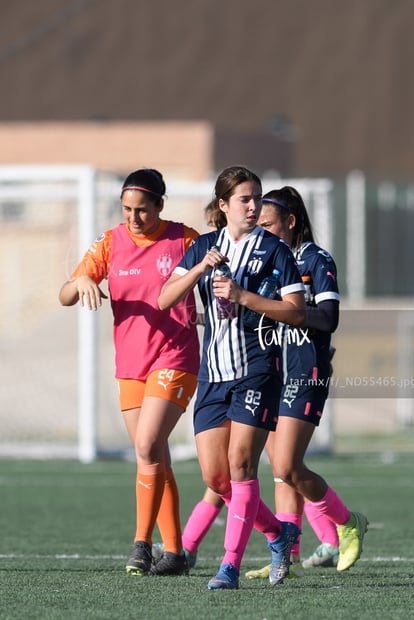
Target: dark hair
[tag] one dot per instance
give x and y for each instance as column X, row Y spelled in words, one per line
column 146, row 180
column 288, row 200
column 218, row 218
column 230, row 178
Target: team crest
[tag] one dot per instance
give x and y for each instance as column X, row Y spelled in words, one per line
column 254, row 266
column 164, row 264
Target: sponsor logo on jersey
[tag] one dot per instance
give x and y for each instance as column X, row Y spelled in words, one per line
column 99, row 239
column 129, row 272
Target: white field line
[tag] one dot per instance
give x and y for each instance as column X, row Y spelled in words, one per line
column 78, row 556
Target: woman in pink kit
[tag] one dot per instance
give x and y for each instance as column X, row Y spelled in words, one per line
column 156, row 353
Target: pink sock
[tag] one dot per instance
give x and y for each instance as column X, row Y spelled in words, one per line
column 323, row 527
column 242, row 509
column 292, row 517
column 265, row 522
column 198, row 524
column 331, row 506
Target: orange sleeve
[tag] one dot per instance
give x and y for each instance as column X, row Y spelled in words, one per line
column 189, row 235
column 96, row 260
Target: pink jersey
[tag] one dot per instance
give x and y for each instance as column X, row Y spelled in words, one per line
column 147, row 338
column 136, row 266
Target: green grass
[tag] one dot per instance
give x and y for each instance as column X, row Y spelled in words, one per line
column 66, row 530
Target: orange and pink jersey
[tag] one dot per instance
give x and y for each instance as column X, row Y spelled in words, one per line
column 136, row 266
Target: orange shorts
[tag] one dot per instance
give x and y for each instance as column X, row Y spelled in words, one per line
column 176, row 386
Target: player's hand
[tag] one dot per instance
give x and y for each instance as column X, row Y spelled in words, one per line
column 90, row 295
column 213, row 259
column 227, row 288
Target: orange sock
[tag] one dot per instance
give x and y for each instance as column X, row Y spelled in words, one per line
column 168, row 520
column 149, row 491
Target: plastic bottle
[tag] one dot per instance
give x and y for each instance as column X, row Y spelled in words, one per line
column 268, row 288
column 225, row 308
column 307, row 281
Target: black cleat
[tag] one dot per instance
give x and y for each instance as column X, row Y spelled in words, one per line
column 140, row 561
column 170, row 564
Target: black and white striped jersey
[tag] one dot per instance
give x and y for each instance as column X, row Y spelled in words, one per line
column 231, row 351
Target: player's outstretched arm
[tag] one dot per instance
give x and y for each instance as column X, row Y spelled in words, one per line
column 84, row 290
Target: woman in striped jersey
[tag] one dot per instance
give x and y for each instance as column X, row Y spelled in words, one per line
column 236, row 404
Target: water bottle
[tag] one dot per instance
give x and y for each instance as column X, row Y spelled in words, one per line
column 307, row 281
column 268, row 288
column 225, row 308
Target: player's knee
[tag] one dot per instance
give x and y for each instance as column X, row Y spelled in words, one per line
column 284, row 474
column 149, row 452
column 219, row 484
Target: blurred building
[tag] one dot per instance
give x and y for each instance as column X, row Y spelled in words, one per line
column 323, row 87
column 186, row 149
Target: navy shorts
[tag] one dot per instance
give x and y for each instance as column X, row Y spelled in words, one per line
column 251, row 400
column 302, row 402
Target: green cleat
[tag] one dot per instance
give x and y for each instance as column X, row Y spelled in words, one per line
column 296, row 569
column 325, row 555
column 295, row 572
column 351, row 535
column 260, row 573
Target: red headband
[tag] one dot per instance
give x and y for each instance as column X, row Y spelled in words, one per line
column 142, row 189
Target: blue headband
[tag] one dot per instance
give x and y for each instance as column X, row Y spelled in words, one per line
column 276, row 202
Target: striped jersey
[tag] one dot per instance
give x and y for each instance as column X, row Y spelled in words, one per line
column 231, row 351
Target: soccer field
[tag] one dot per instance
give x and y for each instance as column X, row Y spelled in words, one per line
column 67, row 529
